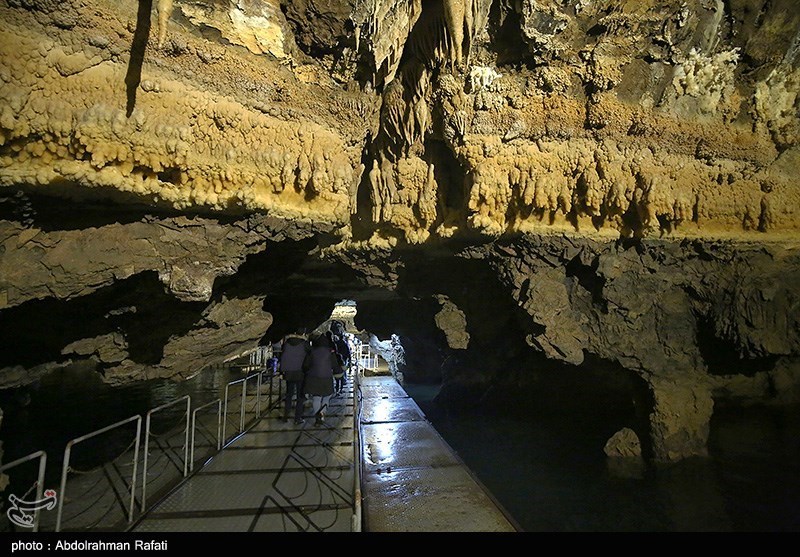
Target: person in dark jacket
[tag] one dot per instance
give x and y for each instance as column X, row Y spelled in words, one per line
column 336, row 335
column 320, row 366
column 294, row 350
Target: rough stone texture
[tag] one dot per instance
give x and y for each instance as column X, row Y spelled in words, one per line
column 226, row 330
column 624, row 443
column 319, row 25
column 453, row 324
column 187, row 253
column 625, row 172
column 624, row 452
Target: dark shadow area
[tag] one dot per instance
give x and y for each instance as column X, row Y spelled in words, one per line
column 138, row 47
column 722, row 356
column 755, row 454
column 449, row 174
column 77, row 208
column 300, row 288
column 73, row 401
column 138, row 307
column 361, row 221
column 589, row 280
column 412, row 319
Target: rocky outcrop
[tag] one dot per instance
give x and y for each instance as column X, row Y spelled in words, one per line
column 453, row 323
column 668, row 312
column 225, row 330
column 624, row 452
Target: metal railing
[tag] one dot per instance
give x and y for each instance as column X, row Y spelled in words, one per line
column 218, row 403
column 357, row 400
column 257, row 407
column 125, row 486
column 122, row 487
column 65, row 468
column 148, row 421
column 243, row 404
column 367, row 358
column 259, row 356
column 38, row 484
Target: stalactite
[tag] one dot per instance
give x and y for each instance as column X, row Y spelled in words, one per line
column 164, row 13
column 454, row 12
column 375, row 190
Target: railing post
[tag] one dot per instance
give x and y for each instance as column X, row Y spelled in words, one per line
column 68, row 453
column 191, row 443
column 356, row 520
column 241, row 412
column 42, row 456
column 146, row 454
column 225, row 415
column 39, row 488
column 186, row 439
column 63, row 486
column 258, row 395
column 218, row 402
column 219, row 427
column 135, row 463
column 147, row 443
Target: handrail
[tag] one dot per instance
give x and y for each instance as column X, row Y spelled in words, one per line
column 218, row 402
column 150, row 413
column 259, row 356
column 356, row 520
column 244, row 381
column 257, row 375
column 42, row 456
column 225, row 410
column 68, row 451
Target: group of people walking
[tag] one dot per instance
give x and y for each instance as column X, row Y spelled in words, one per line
column 315, row 367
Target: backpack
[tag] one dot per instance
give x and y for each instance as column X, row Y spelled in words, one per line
column 293, row 356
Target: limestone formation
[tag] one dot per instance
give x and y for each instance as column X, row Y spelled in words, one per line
column 624, row 452
column 453, row 323
column 624, row 174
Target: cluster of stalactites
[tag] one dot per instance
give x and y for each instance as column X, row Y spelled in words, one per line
column 440, row 31
column 404, row 194
column 442, row 37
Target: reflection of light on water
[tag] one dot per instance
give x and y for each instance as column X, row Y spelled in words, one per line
column 165, row 392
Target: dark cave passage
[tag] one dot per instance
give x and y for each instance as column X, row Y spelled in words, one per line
column 532, row 428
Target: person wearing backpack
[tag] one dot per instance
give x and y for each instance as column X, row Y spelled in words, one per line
column 342, row 349
column 294, row 350
column 343, row 359
column 319, row 377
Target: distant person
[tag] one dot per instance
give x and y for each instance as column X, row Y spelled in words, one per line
column 343, row 355
column 320, row 366
column 295, row 349
column 343, row 351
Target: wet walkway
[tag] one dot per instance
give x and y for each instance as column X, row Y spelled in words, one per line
column 274, row 477
column 279, row 476
column 412, row 480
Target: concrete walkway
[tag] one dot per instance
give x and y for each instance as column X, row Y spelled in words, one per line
column 275, row 477
column 278, row 477
column 412, row 480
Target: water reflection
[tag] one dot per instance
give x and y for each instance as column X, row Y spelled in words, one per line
column 551, row 474
column 75, row 401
